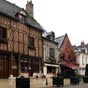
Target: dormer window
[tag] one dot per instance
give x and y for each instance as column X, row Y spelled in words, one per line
column 21, row 15
column 22, row 18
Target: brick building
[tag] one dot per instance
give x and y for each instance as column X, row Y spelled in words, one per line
column 67, row 56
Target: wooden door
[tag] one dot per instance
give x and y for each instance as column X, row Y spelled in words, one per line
column 4, row 71
column 29, row 68
column 15, row 66
column 35, row 66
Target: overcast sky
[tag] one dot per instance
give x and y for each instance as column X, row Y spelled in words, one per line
column 62, row 16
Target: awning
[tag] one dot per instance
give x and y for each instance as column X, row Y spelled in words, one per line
column 51, row 65
column 69, row 65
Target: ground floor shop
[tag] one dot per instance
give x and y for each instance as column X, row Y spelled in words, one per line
column 50, row 69
column 81, row 71
column 68, row 71
column 13, row 64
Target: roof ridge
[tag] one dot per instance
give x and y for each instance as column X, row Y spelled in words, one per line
column 59, row 36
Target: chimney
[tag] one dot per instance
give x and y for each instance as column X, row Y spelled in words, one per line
column 52, row 36
column 29, row 8
column 82, row 43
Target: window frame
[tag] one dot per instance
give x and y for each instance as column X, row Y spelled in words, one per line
column 3, row 35
column 24, row 64
column 31, row 42
column 22, row 18
column 83, row 60
column 52, row 52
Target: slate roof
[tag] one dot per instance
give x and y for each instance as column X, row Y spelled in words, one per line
column 76, row 49
column 10, row 10
column 86, row 45
column 59, row 40
column 45, row 34
column 80, row 49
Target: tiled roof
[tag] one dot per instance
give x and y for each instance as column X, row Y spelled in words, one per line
column 10, row 10
column 72, row 65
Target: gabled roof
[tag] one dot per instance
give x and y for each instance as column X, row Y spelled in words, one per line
column 60, row 40
column 10, row 10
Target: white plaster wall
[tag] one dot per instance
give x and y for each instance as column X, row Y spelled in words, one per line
column 79, row 59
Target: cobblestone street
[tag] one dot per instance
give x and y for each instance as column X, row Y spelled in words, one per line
column 81, row 85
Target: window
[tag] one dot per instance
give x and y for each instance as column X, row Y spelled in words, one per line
column 14, row 63
column 83, row 50
column 62, row 56
column 22, row 18
column 31, row 42
column 35, row 66
column 86, row 60
column 3, row 34
column 82, row 60
column 24, row 65
column 52, row 52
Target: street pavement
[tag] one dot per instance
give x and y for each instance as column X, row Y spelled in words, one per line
column 81, row 85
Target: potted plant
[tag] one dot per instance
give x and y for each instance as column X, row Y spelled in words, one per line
column 85, row 78
column 59, row 80
column 75, row 79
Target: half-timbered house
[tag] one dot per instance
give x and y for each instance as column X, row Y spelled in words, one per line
column 50, row 55
column 20, row 40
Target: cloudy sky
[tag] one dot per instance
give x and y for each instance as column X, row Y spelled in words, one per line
column 62, row 16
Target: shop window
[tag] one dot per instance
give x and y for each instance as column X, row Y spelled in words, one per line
column 24, row 65
column 15, row 63
column 50, row 69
